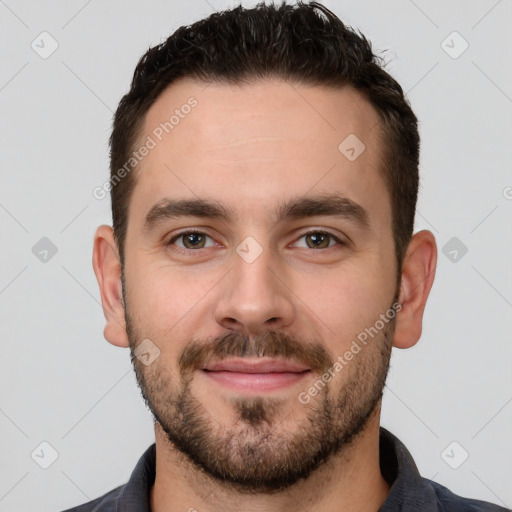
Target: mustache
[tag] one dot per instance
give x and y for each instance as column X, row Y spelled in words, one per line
column 269, row 344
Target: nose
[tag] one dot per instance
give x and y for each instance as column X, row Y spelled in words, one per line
column 254, row 297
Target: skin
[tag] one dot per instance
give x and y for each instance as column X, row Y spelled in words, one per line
column 251, row 148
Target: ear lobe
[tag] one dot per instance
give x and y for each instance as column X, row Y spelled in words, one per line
column 107, row 268
column 418, row 274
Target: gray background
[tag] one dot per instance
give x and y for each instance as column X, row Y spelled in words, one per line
column 63, row 384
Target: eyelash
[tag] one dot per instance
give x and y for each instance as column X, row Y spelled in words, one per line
column 192, row 231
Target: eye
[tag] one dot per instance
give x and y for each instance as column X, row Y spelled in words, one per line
column 192, row 239
column 317, row 239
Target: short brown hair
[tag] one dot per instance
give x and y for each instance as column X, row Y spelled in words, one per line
column 305, row 43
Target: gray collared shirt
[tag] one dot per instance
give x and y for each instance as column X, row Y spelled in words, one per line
column 409, row 492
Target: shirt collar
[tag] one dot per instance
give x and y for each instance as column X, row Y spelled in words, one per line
column 408, row 489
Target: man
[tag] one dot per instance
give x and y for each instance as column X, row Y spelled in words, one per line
column 262, row 265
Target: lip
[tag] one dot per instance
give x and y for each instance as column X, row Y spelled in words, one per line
column 259, row 375
column 259, row 365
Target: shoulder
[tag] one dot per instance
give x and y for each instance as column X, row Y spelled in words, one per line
column 410, row 491
column 132, row 495
column 105, row 503
column 448, row 501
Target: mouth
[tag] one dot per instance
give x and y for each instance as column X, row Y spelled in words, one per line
column 260, row 374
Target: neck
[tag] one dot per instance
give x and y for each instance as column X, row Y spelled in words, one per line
column 350, row 481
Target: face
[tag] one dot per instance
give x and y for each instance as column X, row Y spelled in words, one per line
column 291, row 258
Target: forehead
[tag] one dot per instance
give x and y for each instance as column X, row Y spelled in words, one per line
column 251, row 145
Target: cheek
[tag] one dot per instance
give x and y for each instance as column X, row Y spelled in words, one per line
column 352, row 300
column 165, row 300
column 161, row 289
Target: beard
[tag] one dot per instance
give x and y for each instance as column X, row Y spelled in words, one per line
column 256, row 454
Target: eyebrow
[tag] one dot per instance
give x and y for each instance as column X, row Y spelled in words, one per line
column 333, row 205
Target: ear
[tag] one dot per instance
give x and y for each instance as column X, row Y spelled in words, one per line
column 107, row 267
column 418, row 274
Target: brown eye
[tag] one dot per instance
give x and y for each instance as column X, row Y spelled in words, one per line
column 320, row 240
column 190, row 240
